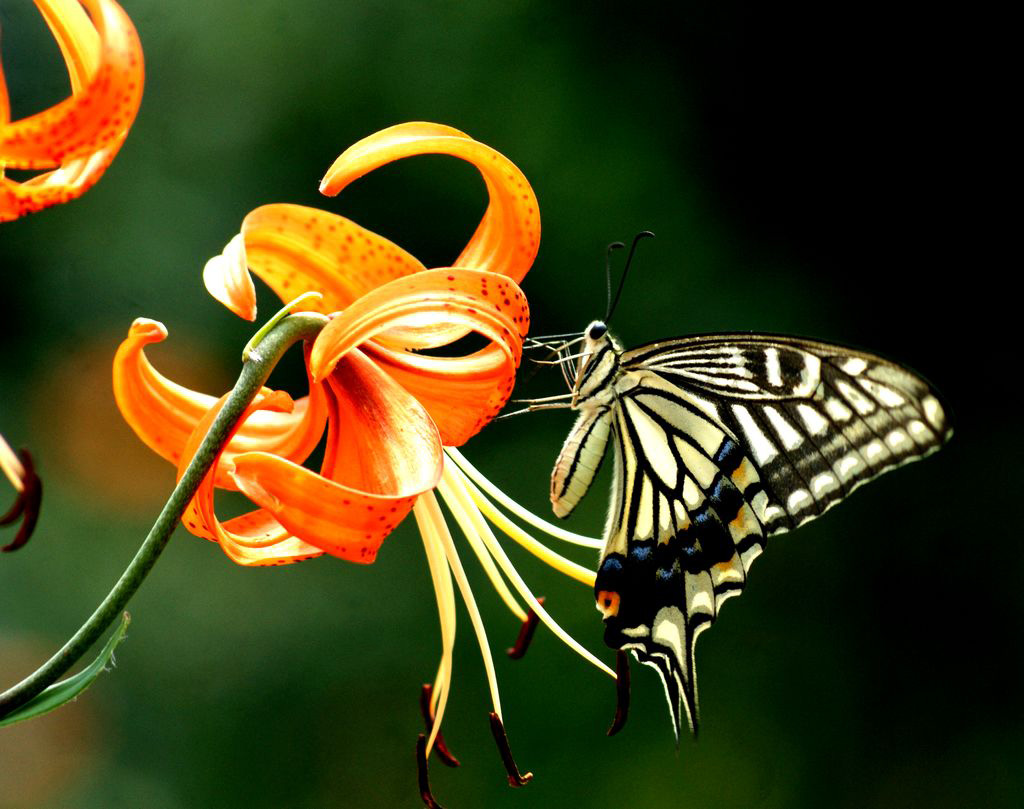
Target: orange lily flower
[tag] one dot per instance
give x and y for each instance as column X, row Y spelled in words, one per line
column 75, row 140
column 395, row 409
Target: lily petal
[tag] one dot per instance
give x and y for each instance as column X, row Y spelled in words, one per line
column 460, row 393
column 80, row 136
column 164, row 414
column 507, row 238
column 227, row 278
column 384, row 455
column 105, row 64
column 252, row 539
column 295, row 249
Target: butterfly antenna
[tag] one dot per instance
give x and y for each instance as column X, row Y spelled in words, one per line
column 643, row 234
column 608, row 269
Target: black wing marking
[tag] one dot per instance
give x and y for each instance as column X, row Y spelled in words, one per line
column 721, row 442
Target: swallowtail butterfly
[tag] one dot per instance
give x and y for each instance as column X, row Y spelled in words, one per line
column 720, row 441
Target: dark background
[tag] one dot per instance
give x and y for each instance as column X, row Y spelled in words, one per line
column 828, row 172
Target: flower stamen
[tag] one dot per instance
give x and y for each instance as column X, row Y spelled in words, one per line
column 515, row 778
column 20, row 470
column 428, row 719
column 525, row 634
column 424, row 778
column 12, row 466
column 454, row 488
column 493, row 574
column 570, row 568
column 427, row 519
column 455, row 564
column 522, row 513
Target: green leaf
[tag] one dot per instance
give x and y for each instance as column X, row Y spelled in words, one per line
column 66, row 690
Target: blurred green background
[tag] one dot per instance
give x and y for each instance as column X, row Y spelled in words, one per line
column 806, row 170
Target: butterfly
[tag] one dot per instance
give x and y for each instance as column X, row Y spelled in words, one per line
column 720, row 441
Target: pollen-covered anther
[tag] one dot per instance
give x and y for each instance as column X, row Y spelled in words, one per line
column 26, row 505
column 526, row 631
column 424, row 777
column 428, row 719
column 608, row 603
column 515, row 778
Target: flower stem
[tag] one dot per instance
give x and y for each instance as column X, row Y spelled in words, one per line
column 255, row 372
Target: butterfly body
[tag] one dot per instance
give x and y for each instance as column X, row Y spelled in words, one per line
column 720, row 441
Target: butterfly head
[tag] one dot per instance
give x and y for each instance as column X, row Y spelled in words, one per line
column 597, row 367
column 596, row 330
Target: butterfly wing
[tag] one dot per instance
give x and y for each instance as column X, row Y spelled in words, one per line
column 724, row 440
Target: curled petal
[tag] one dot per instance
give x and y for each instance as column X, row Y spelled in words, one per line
column 105, row 65
column 79, row 137
column 55, row 187
column 164, row 414
column 382, row 452
column 460, row 393
column 227, row 278
column 254, row 538
column 295, row 249
column 507, row 238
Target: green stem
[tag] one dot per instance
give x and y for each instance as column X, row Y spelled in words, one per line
column 255, row 371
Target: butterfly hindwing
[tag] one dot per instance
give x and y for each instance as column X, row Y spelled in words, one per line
column 681, row 537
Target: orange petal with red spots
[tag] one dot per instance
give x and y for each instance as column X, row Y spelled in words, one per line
column 252, row 539
column 55, row 187
column 460, row 393
column 105, row 64
column 383, row 451
column 81, row 135
column 507, row 238
column 295, row 249
column 164, row 414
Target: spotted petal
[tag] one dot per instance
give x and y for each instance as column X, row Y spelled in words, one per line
column 507, row 237
column 295, row 249
column 460, row 393
column 382, row 452
column 79, row 136
column 104, row 60
column 164, row 414
column 252, row 539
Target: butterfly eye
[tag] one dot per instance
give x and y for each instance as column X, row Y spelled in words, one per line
column 597, row 330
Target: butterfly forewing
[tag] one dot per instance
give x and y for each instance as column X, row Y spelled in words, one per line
column 816, row 420
column 721, row 441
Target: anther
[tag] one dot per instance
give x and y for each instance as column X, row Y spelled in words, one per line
column 621, row 692
column 515, row 778
column 421, row 769
column 440, row 747
column 525, row 633
column 26, row 505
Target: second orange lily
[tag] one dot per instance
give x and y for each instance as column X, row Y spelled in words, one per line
column 75, row 140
